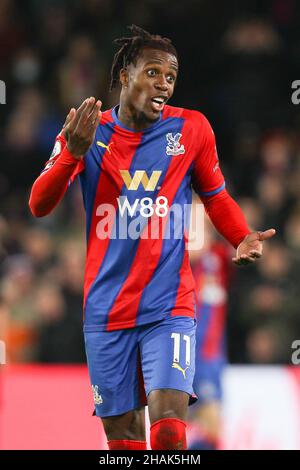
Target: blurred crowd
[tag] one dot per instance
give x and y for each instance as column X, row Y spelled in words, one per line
column 237, row 63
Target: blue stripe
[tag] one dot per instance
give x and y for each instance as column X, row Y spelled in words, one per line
column 216, row 191
column 149, row 156
column 89, row 178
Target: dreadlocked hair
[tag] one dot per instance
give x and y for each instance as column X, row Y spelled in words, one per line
column 131, row 47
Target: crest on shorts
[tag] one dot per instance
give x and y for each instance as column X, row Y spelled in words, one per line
column 174, row 146
column 97, row 398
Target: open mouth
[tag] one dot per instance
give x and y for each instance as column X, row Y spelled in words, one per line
column 158, row 103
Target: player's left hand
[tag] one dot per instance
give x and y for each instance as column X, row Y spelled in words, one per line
column 250, row 249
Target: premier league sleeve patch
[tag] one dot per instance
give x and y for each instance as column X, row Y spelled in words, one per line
column 56, row 150
column 55, row 153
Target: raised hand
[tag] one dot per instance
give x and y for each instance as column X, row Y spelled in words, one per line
column 251, row 248
column 80, row 126
column 69, row 118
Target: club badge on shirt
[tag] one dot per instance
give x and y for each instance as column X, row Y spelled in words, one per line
column 174, row 146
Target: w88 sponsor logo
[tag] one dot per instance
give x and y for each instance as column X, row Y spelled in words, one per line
column 146, row 206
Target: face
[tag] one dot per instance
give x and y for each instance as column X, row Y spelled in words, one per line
column 148, row 84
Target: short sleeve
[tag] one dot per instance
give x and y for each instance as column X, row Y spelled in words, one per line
column 207, row 177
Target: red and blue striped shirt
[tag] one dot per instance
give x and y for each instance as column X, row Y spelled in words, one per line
column 135, row 280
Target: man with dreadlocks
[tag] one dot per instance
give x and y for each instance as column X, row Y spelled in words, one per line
column 134, row 162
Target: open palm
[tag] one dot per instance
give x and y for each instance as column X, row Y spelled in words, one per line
column 251, row 248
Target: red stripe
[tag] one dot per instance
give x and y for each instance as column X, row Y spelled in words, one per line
column 214, row 333
column 106, row 117
column 108, row 190
column 172, row 111
column 185, row 299
column 148, row 254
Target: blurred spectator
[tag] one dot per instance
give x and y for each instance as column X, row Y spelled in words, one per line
column 59, row 338
column 263, row 346
column 36, row 242
column 12, row 34
column 79, row 74
column 26, row 68
column 16, row 290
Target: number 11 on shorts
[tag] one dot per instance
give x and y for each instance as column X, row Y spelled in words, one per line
column 176, row 356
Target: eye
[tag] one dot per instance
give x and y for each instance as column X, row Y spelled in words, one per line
column 171, row 78
column 151, row 72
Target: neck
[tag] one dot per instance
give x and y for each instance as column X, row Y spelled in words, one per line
column 131, row 118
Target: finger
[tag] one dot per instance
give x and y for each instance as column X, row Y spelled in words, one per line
column 93, row 118
column 255, row 254
column 69, row 117
column 238, row 261
column 247, row 259
column 68, row 121
column 79, row 112
column 267, row 234
column 91, row 105
column 243, row 260
column 98, row 113
column 86, row 112
column 96, row 107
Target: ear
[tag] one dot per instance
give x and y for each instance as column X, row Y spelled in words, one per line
column 124, row 77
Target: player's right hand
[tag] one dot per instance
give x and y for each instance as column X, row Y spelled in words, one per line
column 80, row 127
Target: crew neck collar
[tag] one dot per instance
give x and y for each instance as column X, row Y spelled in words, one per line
column 115, row 111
